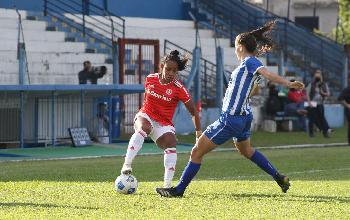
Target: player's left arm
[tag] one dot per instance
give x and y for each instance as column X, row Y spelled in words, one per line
column 278, row 79
column 195, row 117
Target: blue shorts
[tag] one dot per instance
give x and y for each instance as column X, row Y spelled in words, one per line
column 229, row 126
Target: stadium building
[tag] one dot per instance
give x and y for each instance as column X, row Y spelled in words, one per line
column 44, row 43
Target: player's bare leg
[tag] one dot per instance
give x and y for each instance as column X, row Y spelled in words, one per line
column 246, row 149
column 142, row 128
column 203, row 146
column 168, row 143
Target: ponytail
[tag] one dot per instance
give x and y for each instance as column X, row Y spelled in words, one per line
column 175, row 56
column 258, row 41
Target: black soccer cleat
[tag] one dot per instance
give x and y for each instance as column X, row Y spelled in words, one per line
column 169, row 192
column 283, row 182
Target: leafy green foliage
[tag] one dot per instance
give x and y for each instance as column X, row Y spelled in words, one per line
column 344, row 22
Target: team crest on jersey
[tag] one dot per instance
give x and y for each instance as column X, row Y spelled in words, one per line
column 169, row 91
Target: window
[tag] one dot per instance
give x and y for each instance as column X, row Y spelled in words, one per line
column 310, row 22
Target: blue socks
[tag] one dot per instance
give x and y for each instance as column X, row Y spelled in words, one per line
column 188, row 174
column 192, row 169
column 262, row 162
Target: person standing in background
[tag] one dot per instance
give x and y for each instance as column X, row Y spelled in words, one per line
column 90, row 74
column 344, row 98
column 296, row 107
column 100, row 124
column 273, row 103
column 317, row 92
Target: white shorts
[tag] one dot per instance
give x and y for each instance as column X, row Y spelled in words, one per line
column 157, row 129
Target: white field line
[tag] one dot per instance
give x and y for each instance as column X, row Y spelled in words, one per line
column 161, row 153
column 289, row 173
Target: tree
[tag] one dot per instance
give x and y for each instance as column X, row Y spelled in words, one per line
column 343, row 29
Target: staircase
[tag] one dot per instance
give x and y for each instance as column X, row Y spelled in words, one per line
column 304, row 51
column 56, row 45
column 51, row 59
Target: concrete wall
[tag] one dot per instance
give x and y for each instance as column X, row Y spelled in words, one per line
column 327, row 17
column 326, row 10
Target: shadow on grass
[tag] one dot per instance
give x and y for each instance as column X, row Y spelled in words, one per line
column 279, row 197
column 38, row 205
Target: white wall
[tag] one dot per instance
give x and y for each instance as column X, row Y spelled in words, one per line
column 327, row 10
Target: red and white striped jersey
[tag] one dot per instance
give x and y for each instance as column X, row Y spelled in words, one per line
column 161, row 99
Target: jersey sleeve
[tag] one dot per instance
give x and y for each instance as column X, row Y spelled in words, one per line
column 184, row 95
column 253, row 65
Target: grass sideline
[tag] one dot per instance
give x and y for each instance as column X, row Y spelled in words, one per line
column 227, row 187
column 268, row 139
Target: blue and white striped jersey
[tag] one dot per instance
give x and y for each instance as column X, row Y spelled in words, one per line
column 242, row 82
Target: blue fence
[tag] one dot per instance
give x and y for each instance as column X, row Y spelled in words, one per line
column 41, row 115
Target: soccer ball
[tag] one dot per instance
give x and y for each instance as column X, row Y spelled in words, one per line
column 126, row 184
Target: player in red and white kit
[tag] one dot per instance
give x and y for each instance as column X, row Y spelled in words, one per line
column 162, row 93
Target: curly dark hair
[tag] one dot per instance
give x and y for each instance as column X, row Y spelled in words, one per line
column 175, row 57
column 258, row 41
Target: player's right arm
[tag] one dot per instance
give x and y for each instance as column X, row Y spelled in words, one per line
column 280, row 80
column 185, row 97
column 195, row 117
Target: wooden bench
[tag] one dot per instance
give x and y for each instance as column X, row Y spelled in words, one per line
column 285, row 122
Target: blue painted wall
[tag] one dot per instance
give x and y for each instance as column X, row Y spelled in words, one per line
column 169, row 9
column 30, row 5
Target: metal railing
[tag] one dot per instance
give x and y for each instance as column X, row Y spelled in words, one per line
column 37, row 115
column 207, row 70
column 82, row 15
column 306, row 50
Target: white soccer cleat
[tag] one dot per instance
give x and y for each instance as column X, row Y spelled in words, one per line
column 126, row 169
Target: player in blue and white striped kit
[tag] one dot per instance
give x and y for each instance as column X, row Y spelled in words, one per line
column 236, row 116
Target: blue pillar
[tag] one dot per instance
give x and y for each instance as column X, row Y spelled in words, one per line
column 21, row 63
column 346, row 71
column 86, row 7
column 110, row 116
column 21, row 120
column 53, row 115
column 82, row 108
column 197, row 80
column 116, row 117
column 105, row 5
column 281, row 63
column 115, row 56
column 36, row 119
column 194, row 68
column 219, row 76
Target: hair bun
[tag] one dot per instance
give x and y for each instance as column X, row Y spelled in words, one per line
column 174, row 53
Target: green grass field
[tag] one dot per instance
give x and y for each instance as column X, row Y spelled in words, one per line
column 227, row 187
column 268, row 139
